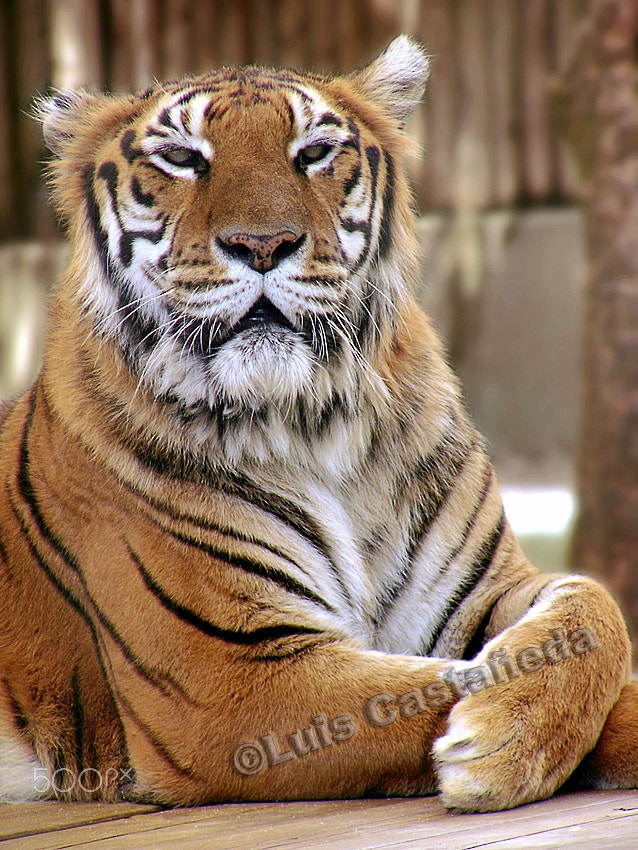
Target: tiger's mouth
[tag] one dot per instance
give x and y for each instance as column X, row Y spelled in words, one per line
column 262, row 316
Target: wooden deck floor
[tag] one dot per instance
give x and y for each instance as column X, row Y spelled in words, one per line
column 587, row 821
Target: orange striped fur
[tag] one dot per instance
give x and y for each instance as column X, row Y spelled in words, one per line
column 251, row 546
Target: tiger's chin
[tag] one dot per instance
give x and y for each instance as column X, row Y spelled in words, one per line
column 262, row 366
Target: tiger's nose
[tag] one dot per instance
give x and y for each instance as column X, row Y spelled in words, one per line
column 261, row 252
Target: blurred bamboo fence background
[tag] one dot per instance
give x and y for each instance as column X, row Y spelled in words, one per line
column 487, row 125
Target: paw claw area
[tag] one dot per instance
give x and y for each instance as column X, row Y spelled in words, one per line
column 478, row 769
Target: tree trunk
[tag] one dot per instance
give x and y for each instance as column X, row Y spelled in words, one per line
column 598, row 96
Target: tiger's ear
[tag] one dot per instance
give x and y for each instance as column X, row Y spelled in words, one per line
column 64, row 115
column 396, row 79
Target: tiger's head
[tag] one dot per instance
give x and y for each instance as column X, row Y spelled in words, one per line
column 244, row 238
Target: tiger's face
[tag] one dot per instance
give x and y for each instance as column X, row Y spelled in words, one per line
column 237, row 229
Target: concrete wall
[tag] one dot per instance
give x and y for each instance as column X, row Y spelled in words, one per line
column 505, row 289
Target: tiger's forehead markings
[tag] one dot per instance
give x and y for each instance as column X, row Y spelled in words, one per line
column 248, row 87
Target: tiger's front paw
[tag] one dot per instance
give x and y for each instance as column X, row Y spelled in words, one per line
column 493, row 755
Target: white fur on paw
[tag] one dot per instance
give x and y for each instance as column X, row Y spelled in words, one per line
column 457, row 745
column 466, row 771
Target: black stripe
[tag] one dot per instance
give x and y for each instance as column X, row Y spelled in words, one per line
column 351, row 182
column 4, row 557
column 20, row 716
column 273, row 574
column 26, row 490
column 129, row 153
column 187, row 615
column 138, row 331
column 109, row 173
column 164, row 118
column 373, row 157
column 351, row 226
column 385, row 231
column 486, row 556
column 169, row 464
column 476, row 642
column 163, row 681
column 146, row 199
column 152, row 738
column 329, row 118
column 99, row 234
column 487, row 484
column 77, row 710
column 356, row 136
column 205, row 525
column 439, row 473
column 288, row 512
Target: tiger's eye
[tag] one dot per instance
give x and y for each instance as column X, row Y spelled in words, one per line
column 313, row 153
column 185, row 158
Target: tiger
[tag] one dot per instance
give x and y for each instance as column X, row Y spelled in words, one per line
column 252, row 547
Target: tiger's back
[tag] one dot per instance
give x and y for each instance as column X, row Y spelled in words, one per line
column 243, row 497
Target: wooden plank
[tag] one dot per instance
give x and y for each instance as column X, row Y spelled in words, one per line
column 472, row 189
column 503, row 25
column 536, row 123
column 360, row 824
column 568, row 15
column 434, row 184
column 75, row 45
column 33, row 70
column 8, row 188
column 31, row 819
column 146, row 60
column 177, row 37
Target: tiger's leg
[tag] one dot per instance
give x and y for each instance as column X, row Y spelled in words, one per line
column 334, row 721
column 613, row 763
column 537, row 695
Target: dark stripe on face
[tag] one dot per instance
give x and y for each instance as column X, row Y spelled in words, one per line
column 385, row 231
column 109, row 173
column 356, row 136
column 99, row 234
column 352, row 226
column 351, row 182
column 146, row 199
column 373, row 156
column 129, row 153
column 187, row 615
column 485, row 557
column 329, row 119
